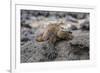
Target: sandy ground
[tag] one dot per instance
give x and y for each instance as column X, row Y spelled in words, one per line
column 32, row 23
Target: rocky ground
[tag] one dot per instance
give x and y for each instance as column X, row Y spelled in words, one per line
column 76, row 49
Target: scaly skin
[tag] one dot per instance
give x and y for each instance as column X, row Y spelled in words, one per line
column 52, row 33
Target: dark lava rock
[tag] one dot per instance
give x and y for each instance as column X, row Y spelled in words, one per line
column 85, row 26
column 50, row 52
column 78, row 15
column 73, row 27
